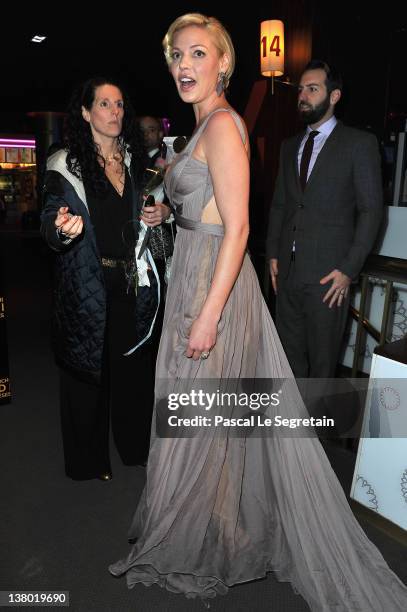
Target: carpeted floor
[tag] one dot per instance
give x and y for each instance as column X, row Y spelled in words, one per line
column 56, row 534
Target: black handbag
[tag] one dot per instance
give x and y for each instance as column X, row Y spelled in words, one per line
column 161, row 242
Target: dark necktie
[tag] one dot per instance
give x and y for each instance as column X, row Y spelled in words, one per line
column 306, row 156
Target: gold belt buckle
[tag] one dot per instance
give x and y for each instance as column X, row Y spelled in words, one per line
column 109, row 263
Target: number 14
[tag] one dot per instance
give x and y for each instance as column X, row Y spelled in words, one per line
column 274, row 47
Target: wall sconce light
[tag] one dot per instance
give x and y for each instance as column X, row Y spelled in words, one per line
column 272, row 49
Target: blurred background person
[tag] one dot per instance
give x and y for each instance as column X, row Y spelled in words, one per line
column 153, row 135
column 161, row 239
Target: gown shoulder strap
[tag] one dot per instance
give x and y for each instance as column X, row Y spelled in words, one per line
column 237, row 120
column 189, row 149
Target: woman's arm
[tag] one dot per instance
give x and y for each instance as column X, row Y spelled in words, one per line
column 227, row 159
column 58, row 226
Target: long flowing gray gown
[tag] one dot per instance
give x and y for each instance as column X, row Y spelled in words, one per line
column 217, row 511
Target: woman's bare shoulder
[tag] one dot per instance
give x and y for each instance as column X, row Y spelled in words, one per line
column 227, row 123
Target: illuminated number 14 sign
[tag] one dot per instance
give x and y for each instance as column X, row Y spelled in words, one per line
column 274, row 47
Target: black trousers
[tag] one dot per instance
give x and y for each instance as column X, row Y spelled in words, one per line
column 125, row 396
column 311, row 332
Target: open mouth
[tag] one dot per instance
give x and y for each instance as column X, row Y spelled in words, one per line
column 187, row 83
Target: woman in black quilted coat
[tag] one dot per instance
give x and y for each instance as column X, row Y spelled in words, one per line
column 106, row 298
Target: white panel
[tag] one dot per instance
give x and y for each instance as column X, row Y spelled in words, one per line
column 380, row 477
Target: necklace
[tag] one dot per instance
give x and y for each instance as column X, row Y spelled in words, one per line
column 114, row 170
column 114, row 163
column 112, row 159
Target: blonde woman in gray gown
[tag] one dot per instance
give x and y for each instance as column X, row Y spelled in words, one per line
column 217, row 511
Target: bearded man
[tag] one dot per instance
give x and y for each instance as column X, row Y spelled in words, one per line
column 324, row 218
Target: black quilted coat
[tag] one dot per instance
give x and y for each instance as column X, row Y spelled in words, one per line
column 79, row 315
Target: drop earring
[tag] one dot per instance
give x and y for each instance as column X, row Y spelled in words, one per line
column 221, row 84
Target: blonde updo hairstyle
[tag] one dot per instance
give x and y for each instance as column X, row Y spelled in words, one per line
column 220, row 36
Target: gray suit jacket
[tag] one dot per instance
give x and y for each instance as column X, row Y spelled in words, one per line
column 334, row 222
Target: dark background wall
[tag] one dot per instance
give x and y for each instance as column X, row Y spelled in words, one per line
column 368, row 45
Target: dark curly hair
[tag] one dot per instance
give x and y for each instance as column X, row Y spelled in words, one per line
column 83, row 158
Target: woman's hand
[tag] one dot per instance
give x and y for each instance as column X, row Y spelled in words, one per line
column 202, row 337
column 68, row 225
column 155, row 215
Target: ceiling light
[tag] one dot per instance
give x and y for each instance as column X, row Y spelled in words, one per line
column 38, row 39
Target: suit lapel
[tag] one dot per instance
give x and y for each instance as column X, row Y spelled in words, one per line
column 324, row 153
column 294, row 157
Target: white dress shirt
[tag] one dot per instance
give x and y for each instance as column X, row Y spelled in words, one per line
column 324, row 130
column 153, row 152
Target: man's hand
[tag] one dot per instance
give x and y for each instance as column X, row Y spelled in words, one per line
column 339, row 289
column 274, row 273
